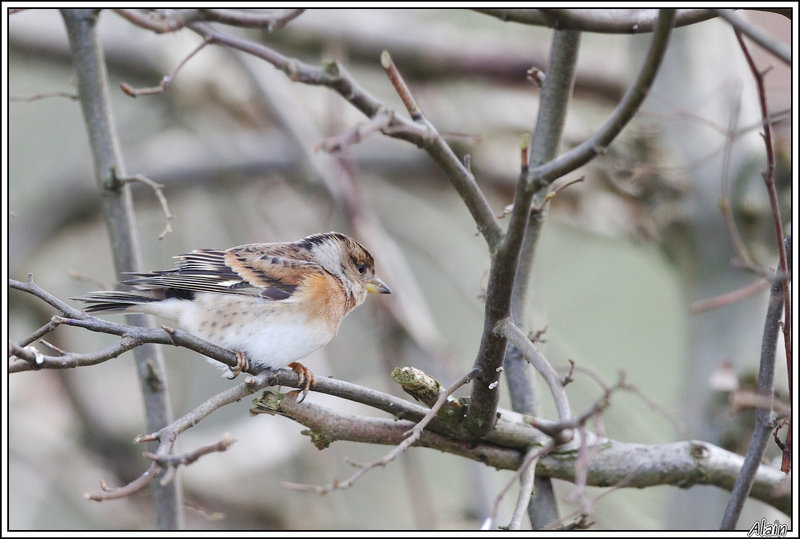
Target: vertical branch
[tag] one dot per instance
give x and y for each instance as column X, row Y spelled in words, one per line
column 504, row 270
column 555, row 95
column 763, row 427
column 93, row 90
column 769, row 182
column 546, row 138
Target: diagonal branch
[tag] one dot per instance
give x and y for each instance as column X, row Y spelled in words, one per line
column 622, row 115
column 411, row 438
column 422, row 133
column 532, row 354
column 767, row 42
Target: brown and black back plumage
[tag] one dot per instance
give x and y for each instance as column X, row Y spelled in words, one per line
column 272, row 271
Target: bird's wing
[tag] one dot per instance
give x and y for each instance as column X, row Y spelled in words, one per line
column 265, row 270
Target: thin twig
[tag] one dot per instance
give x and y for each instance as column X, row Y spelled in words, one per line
column 158, row 189
column 529, row 462
column 269, row 21
column 38, row 334
column 729, row 297
column 43, row 95
column 610, row 21
column 70, row 360
column 400, row 86
column 184, row 459
column 412, row 436
column 114, row 493
column 377, row 124
column 459, row 175
column 165, row 81
column 725, row 195
column 769, row 182
column 159, row 23
column 162, row 459
column 526, row 483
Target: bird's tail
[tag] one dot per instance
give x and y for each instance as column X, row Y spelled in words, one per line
column 113, row 301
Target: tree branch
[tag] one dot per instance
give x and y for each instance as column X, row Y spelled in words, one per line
column 580, row 155
column 609, row 21
column 458, row 174
column 93, row 90
column 422, row 134
column 684, row 463
column 638, row 465
column 506, row 261
column 764, row 425
column 170, row 21
column 767, row 42
column 411, row 438
column 777, row 221
column 532, row 354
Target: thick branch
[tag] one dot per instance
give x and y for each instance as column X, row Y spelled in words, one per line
column 93, row 91
column 640, row 465
column 503, row 273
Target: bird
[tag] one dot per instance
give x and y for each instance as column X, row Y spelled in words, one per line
column 272, row 304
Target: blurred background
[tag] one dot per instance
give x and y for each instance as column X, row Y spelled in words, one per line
column 623, row 255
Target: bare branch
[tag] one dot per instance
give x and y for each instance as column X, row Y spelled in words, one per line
column 637, row 465
column 767, row 42
column 458, row 174
column 526, row 485
column 158, row 22
column 623, row 113
column 93, row 89
column 511, row 261
column 729, row 297
column 270, row 21
column 411, row 438
column 158, row 189
column 610, row 21
column 120, row 492
column 769, row 182
column 71, row 360
column 531, row 353
column 43, row 95
column 379, row 123
column 163, row 21
column 173, row 461
column 526, row 474
column 165, row 81
column 763, row 426
column 683, row 462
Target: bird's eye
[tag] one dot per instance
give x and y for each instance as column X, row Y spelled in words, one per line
column 362, row 268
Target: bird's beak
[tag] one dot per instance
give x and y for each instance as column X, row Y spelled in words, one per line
column 376, row 286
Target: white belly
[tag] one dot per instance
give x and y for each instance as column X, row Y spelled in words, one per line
column 272, row 335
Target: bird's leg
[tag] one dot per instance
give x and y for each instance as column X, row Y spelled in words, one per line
column 242, row 364
column 306, row 378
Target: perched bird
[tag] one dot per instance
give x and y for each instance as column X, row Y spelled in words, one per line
column 271, row 303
